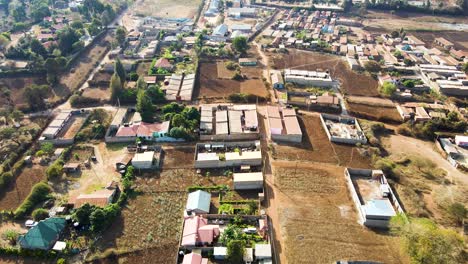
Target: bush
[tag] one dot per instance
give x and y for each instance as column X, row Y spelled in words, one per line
column 39, row 193
column 5, row 179
column 232, row 66
column 80, row 101
column 237, row 76
column 55, row 170
column 40, row 214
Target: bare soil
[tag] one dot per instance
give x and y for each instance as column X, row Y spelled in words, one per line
column 210, row 86
column 378, row 113
column 168, row 8
column 16, row 86
column 352, row 83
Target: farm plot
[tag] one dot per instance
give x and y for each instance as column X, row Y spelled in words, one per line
column 180, row 157
column 352, row 83
column 14, row 194
column 168, row 8
column 151, row 224
column 373, row 112
column 316, row 147
column 317, row 216
column 213, row 87
column 16, row 86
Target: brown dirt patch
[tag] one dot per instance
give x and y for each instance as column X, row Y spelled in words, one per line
column 211, row 86
column 16, row 86
column 180, row 157
column 255, row 87
column 460, row 39
column 14, row 195
column 378, row 113
column 326, row 228
column 223, row 72
column 102, row 93
column 316, row 147
column 352, row 83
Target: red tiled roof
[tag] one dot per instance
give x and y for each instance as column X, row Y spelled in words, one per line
column 163, row 63
column 99, row 198
column 130, row 131
column 147, row 129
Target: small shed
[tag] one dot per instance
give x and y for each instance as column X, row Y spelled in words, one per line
column 262, row 251
column 143, row 160
column 248, row 181
column 71, row 167
column 248, row 255
column 248, row 62
column 124, row 162
column 219, row 253
column 277, row 80
column 198, row 202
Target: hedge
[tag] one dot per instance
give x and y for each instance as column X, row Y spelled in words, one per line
column 39, row 193
column 215, row 188
column 11, row 251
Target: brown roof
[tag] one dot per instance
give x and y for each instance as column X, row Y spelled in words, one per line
column 150, row 79
column 444, row 42
column 327, row 99
column 71, row 165
column 163, row 63
column 99, row 198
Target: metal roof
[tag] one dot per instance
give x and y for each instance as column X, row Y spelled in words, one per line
column 199, row 200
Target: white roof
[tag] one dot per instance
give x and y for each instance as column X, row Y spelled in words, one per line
column 220, row 251
column 207, row 156
column 59, row 246
column 246, row 155
column 263, row 250
column 248, row 177
column 145, row 156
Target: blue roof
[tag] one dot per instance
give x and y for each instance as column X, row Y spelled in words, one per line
column 44, row 234
column 381, row 207
column 199, row 200
column 220, row 30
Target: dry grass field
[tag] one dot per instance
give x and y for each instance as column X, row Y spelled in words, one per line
column 167, row 8
column 14, row 195
column 316, row 147
column 378, row 113
column 16, row 86
column 317, row 218
column 352, row 83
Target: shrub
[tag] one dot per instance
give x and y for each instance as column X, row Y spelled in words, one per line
column 55, row 170
column 237, row 76
column 39, row 193
column 11, row 236
column 40, row 214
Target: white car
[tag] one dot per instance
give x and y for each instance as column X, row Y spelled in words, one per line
column 30, row 223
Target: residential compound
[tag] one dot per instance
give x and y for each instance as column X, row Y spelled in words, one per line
column 229, row 122
column 179, row 87
column 283, row 124
column 308, row 78
column 374, row 199
column 341, row 129
column 227, row 154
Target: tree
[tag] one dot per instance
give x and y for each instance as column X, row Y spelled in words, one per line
column 11, row 236
column 47, row 148
column 240, row 44
column 155, row 94
column 408, row 62
column 66, row 38
column 52, row 68
column 235, row 251
column 144, row 106
column 458, row 212
column 39, row 10
column 120, row 70
column 141, row 84
column 82, row 214
column 120, row 35
column 427, row 243
column 115, row 87
column 372, row 66
column 35, row 95
column 388, row 89
column 40, row 214
column 395, row 34
column 97, row 220
column 36, row 46
column 54, row 171
column 178, row 120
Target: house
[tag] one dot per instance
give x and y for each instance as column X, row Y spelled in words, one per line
column 212, row 8
column 44, row 235
column 243, row 28
column 145, row 130
column 247, row 62
column 242, row 12
column 375, row 201
column 197, row 232
column 309, row 78
column 442, row 42
column 219, row 33
column 194, row 258
column 146, row 160
column 99, row 198
column 164, row 63
column 71, row 167
column 283, row 124
column 198, row 202
column 124, row 161
column 248, row 181
column 228, row 154
column 459, row 54
column 262, row 251
column 277, row 80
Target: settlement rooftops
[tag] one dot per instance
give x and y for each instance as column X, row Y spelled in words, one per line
column 198, row 202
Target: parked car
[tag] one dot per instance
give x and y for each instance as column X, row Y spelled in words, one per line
column 30, row 223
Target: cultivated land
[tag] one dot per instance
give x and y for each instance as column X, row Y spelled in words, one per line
column 151, row 224
column 373, row 108
column 318, row 221
column 316, row 147
column 167, row 8
column 17, row 85
column 352, row 83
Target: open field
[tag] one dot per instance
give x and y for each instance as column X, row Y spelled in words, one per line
column 379, row 113
column 83, row 67
column 16, row 85
column 14, row 195
column 151, row 224
column 167, row 8
column 211, row 86
column 316, row 147
column 103, row 93
column 352, row 83
column 316, row 216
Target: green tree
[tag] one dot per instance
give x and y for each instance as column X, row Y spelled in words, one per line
column 144, row 106
column 39, row 10
column 120, row 70
column 427, row 243
column 235, row 251
column 52, row 67
column 35, row 95
column 115, row 87
column 36, row 46
column 120, row 35
column 388, row 89
column 40, row 214
column 47, row 148
column 11, row 236
column 82, row 214
column 240, row 44
column 156, row 94
column 97, row 220
column 372, row 66
column 54, row 171
column 141, row 84
column 66, row 38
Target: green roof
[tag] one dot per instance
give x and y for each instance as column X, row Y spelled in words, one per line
column 44, row 234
